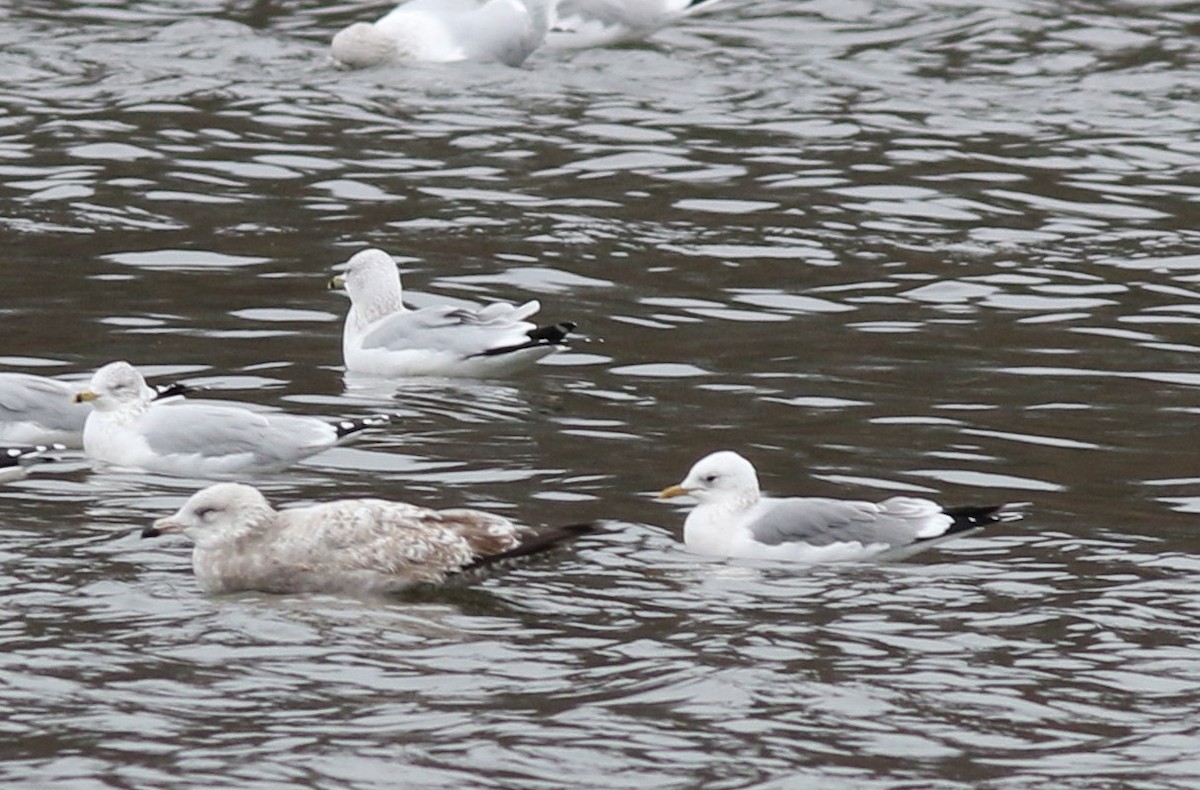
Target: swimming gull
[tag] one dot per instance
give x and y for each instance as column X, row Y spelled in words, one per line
column 15, row 461
column 384, row 338
column 353, row 546
column 734, row 520
column 443, row 31
column 599, row 23
column 40, row 410
column 128, row 428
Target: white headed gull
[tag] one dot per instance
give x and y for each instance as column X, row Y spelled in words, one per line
column 443, row 31
column 127, row 427
column 40, row 410
column 733, row 519
column 383, row 338
column 354, row 546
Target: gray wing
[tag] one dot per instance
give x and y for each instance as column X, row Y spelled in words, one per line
column 637, row 13
column 460, row 331
column 436, row 8
column 213, row 431
column 499, row 32
column 821, row 522
column 633, row 12
column 637, row 17
column 45, row 402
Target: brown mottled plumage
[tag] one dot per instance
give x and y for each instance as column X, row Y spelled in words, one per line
column 356, row 546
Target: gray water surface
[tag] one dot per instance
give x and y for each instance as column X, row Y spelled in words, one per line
column 878, row 247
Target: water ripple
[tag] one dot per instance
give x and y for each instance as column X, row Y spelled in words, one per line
column 879, row 247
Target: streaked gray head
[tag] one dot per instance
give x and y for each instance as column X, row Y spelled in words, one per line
column 720, row 475
column 370, row 273
column 116, row 385
column 363, row 45
column 218, row 514
column 372, row 282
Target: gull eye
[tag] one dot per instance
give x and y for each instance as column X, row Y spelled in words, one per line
column 710, row 479
column 203, row 513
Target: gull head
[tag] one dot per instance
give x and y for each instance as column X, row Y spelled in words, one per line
column 372, row 282
column 366, row 271
column 114, row 386
column 219, row 514
column 719, row 476
column 363, row 45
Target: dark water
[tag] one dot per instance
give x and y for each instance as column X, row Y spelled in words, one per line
column 877, row 247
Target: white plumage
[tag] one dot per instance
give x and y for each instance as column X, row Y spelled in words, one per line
column 190, row 438
column 383, row 338
column 40, row 410
column 733, row 519
column 443, row 31
column 598, row 23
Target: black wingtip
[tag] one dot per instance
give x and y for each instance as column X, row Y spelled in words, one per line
column 345, row 428
column 539, row 337
column 29, row 454
column 971, row 517
column 172, row 389
column 552, row 334
column 542, row 540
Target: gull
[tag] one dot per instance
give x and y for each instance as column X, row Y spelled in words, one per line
column 384, row 338
column 351, row 546
column 128, row 428
column 734, row 520
column 443, row 31
column 40, row 410
column 599, row 23
column 15, row 461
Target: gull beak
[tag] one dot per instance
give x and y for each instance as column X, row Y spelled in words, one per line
column 337, row 282
column 84, row 397
column 673, row 491
column 163, row 526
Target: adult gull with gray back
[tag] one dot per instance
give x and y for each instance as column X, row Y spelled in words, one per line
column 733, row 519
column 41, row 410
column 384, row 338
column 352, row 546
column 191, row 438
column 443, row 31
column 599, row 23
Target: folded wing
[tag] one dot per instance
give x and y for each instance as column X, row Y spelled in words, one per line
column 815, row 521
column 460, row 331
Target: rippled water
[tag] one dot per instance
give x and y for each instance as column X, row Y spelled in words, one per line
column 878, row 247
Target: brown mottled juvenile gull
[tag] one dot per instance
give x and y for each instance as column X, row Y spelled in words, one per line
column 734, row 520
column 353, row 546
column 129, row 428
column 384, row 338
